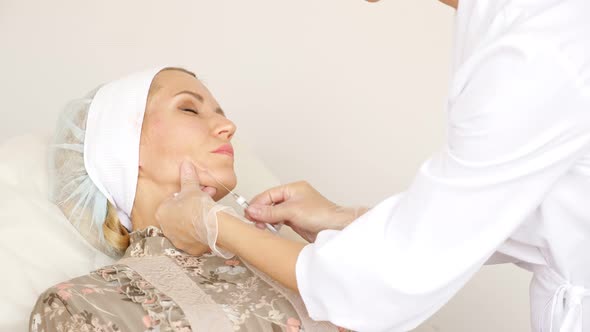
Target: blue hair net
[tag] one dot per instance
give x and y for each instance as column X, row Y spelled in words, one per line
column 71, row 189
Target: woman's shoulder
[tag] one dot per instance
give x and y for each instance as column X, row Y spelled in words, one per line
column 104, row 281
column 112, row 298
column 72, row 305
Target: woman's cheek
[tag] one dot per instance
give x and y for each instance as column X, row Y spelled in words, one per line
column 160, row 149
column 155, row 132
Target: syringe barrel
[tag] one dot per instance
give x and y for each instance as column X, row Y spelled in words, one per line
column 242, row 202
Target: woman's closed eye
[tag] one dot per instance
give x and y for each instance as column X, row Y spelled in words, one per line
column 191, row 110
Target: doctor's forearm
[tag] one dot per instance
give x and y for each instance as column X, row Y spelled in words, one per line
column 267, row 252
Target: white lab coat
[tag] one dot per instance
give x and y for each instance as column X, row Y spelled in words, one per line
column 512, row 180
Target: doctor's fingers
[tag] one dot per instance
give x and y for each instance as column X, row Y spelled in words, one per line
column 275, row 214
column 189, row 179
column 284, row 193
column 272, row 196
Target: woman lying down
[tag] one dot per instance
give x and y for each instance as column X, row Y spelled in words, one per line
column 115, row 159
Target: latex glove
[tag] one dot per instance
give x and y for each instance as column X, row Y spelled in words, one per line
column 190, row 216
column 301, row 207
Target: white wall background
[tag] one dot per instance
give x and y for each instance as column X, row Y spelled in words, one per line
column 347, row 95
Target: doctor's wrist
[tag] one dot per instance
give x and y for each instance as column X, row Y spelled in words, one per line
column 346, row 215
column 232, row 232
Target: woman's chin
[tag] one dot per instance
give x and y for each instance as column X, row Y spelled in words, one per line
column 221, row 193
column 228, row 179
column 220, row 179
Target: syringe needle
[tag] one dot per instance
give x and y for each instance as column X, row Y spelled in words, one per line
column 239, row 199
column 221, row 184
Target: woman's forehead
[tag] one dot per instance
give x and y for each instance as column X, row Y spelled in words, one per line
column 173, row 81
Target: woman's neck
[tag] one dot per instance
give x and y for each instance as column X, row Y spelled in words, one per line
column 147, row 199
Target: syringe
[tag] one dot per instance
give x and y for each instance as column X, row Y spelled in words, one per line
column 243, row 202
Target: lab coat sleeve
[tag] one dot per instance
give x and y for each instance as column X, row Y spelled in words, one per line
column 516, row 124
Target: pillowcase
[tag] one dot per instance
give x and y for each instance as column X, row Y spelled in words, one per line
column 39, row 247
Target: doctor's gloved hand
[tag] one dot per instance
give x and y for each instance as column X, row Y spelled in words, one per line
column 301, row 207
column 190, row 216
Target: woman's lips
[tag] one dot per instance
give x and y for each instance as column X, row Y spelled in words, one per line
column 226, row 149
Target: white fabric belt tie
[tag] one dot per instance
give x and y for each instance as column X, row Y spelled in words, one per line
column 570, row 298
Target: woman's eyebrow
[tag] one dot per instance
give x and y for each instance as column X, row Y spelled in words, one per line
column 196, row 95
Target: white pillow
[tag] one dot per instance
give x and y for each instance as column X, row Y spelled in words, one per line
column 39, row 247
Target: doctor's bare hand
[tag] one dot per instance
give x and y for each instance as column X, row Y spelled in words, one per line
column 301, row 207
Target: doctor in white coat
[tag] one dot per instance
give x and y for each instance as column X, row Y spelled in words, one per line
column 512, row 184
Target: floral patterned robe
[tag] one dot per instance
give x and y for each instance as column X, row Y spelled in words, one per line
column 156, row 287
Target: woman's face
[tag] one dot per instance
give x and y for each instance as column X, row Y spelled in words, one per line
column 184, row 122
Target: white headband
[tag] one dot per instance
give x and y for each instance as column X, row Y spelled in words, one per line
column 111, row 142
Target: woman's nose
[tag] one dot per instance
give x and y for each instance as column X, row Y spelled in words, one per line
column 224, row 128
